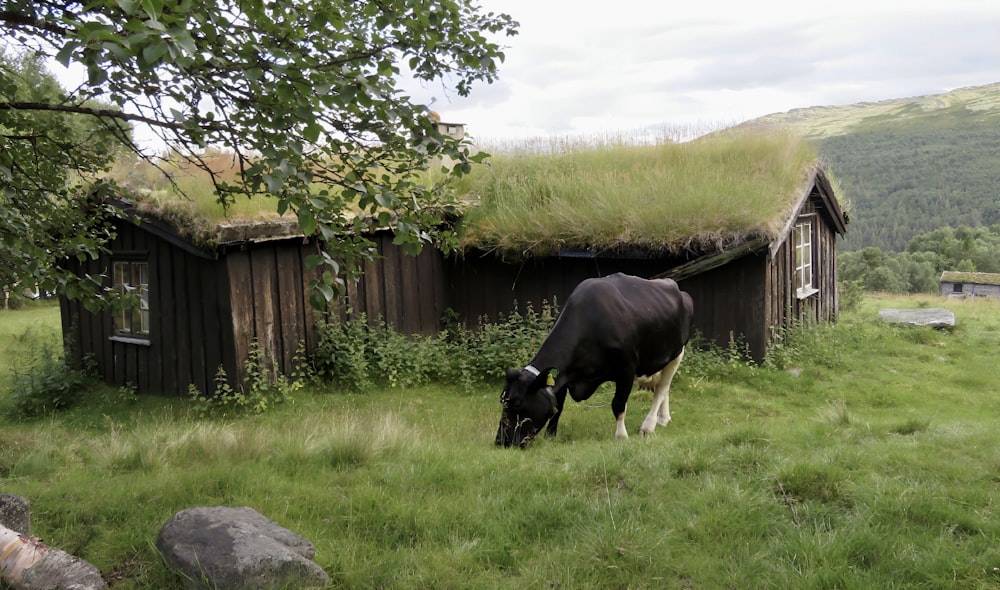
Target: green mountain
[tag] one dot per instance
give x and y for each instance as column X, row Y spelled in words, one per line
column 908, row 165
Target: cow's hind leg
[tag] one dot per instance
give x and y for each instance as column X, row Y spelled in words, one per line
column 659, row 414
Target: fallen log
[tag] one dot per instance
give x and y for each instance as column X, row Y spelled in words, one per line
column 28, row 564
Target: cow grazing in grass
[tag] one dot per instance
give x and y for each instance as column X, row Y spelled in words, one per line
column 615, row 328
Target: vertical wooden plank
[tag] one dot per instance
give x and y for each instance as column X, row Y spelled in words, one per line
column 195, row 296
column 417, row 305
column 390, row 275
column 241, row 294
column 265, row 280
column 373, row 301
column 290, row 304
column 182, row 298
column 166, row 295
column 220, row 280
column 154, row 377
column 211, row 317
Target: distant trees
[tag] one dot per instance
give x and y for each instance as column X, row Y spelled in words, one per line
column 918, row 269
column 909, row 175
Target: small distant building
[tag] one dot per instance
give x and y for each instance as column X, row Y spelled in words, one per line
column 970, row 284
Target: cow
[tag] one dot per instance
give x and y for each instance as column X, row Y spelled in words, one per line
column 615, row 328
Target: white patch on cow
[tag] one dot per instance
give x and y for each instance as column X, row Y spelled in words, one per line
column 620, row 432
column 659, row 382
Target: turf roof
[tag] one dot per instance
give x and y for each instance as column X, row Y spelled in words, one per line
column 699, row 196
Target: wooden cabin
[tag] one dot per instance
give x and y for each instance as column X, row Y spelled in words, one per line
column 742, row 293
column 207, row 305
column 204, row 307
column 969, row 284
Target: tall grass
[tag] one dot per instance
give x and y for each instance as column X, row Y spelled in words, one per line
column 34, row 325
column 866, row 456
column 660, row 196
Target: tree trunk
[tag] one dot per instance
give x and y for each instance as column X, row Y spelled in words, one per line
column 28, row 564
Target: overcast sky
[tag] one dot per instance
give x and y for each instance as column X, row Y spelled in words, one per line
column 615, row 67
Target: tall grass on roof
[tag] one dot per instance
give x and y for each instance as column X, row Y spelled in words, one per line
column 662, row 198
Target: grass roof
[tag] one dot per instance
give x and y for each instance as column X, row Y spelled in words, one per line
column 701, row 195
column 984, row 278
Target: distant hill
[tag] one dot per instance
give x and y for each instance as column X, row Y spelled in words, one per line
column 908, row 165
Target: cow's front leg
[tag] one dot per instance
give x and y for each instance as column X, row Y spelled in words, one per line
column 554, row 421
column 618, row 406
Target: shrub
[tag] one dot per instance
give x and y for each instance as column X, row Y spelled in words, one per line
column 42, row 381
column 260, row 393
column 358, row 353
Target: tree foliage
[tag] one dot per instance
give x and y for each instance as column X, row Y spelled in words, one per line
column 49, row 163
column 909, row 175
column 919, row 268
column 304, row 93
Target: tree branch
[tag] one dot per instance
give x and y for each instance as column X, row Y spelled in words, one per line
column 103, row 113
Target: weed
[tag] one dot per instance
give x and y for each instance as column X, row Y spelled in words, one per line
column 261, row 392
column 911, row 426
column 41, row 379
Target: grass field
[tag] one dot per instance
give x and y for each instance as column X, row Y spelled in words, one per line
column 866, row 456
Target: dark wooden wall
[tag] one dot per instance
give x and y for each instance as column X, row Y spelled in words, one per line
column 266, row 299
column 187, row 319
column 730, row 303
column 482, row 286
column 407, row 292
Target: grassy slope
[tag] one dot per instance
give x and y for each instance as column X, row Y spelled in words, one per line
column 871, row 463
column 909, row 165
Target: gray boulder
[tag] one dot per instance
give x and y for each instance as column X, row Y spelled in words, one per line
column 15, row 513
column 237, row 549
column 930, row 316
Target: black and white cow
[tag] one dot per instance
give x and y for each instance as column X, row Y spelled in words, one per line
column 615, row 328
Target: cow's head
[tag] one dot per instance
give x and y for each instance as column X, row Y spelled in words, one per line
column 527, row 401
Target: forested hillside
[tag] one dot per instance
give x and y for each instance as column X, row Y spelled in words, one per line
column 909, row 166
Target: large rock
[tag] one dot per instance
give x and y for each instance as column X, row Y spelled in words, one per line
column 928, row 316
column 15, row 513
column 237, row 548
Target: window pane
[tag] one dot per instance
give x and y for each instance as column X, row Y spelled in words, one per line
column 132, row 277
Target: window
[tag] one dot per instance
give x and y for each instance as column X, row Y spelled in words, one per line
column 956, row 288
column 804, row 260
column 132, row 277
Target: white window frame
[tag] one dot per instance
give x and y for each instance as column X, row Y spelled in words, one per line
column 804, row 256
column 131, row 276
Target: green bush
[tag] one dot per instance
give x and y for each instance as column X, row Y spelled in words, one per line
column 260, row 393
column 359, row 353
column 41, row 379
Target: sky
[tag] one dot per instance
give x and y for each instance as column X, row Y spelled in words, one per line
column 618, row 68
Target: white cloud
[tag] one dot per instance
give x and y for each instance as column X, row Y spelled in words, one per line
column 635, row 63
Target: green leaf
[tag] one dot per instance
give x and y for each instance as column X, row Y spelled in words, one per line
column 307, row 222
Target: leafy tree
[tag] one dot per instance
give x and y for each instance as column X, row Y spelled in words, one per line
column 46, row 161
column 304, row 93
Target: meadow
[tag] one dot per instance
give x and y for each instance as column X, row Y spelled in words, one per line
column 862, row 455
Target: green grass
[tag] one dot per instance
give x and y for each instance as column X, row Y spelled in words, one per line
column 660, row 197
column 863, row 456
column 36, row 324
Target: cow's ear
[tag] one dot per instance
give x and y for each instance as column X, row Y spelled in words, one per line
column 512, row 374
